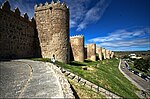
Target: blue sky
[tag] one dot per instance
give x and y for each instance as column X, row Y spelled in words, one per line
column 118, row 25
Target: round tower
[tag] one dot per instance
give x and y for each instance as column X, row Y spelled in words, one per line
column 52, row 22
column 77, row 47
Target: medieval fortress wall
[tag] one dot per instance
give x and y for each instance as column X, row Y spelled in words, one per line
column 99, row 52
column 17, row 34
column 91, row 52
column 47, row 34
column 77, row 47
column 52, row 22
column 104, row 53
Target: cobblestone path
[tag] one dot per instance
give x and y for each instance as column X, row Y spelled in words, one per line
column 25, row 78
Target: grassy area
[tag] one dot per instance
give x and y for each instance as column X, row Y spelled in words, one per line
column 105, row 74
column 84, row 92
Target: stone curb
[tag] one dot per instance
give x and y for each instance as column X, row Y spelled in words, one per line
column 66, row 88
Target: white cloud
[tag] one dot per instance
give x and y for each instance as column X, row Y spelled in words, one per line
column 81, row 11
column 121, row 35
column 83, row 14
column 78, row 9
column 94, row 14
column 125, row 39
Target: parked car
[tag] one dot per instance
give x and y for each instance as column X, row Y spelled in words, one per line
column 145, row 77
column 132, row 71
column 136, row 72
column 140, row 74
column 148, row 76
column 126, row 65
column 128, row 68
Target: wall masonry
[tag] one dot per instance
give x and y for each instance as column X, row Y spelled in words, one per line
column 52, row 22
column 91, row 52
column 104, row 53
column 112, row 54
column 17, row 34
column 45, row 35
column 77, row 47
column 99, row 52
column 107, row 54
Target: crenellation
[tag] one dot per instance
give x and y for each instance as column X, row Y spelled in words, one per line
column 53, row 5
column 17, row 11
column 6, row 6
column 46, row 4
column 77, row 36
column 26, row 16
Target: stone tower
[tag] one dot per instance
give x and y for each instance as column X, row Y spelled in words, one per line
column 91, row 52
column 107, row 54
column 52, row 22
column 77, row 47
column 104, row 52
column 112, row 54
column 99, row 52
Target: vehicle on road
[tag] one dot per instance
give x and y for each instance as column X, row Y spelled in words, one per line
column 148, row 76
column 132, row 71
column 136, row 72
column 140, row 74
column 145, row 77
column 128, row 68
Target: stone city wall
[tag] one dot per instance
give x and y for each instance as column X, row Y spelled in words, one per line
column 52, row 21
column 99, row 52
column 112, row 54
column 17, row 34
column 91, row 52
column 77, row 47
column 104, row 53
column 107, row 54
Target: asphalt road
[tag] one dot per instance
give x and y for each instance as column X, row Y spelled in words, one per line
column 141, row 82
column 28, row 79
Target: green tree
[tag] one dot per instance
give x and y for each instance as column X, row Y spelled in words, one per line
column 142, row 64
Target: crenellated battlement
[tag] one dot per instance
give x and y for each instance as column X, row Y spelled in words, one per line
column 77, row 36
column 6, row 8
column 52, row 5
column 17, row 33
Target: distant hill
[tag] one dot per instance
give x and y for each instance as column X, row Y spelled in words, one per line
column 143, row 54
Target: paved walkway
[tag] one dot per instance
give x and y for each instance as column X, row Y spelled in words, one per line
column 27, row 79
